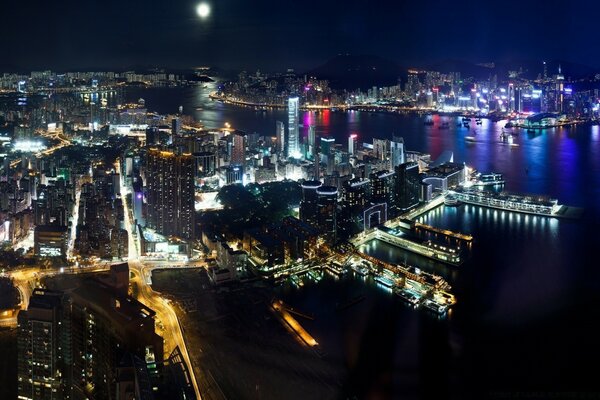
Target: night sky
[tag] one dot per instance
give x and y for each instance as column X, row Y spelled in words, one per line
column 276, row 34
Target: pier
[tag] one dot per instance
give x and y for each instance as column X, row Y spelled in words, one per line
column 527, row 204
column 395, row 237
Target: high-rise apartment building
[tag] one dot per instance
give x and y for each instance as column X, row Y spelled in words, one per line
column 170, row 193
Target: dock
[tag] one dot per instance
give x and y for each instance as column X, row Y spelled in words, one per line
column 290, row 322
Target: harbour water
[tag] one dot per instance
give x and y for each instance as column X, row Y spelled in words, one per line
column 526, row 298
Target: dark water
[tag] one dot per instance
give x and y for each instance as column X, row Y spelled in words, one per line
column 525, row 322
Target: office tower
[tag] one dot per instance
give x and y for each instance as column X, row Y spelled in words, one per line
column 352, row 143
column 381, row 148
column 327, row 151
column 293, row 147
column 312, row 143
column 355, row 199
column 308, row 205
column 170, row 193
column 407, row 185
column 327, row 213
column 206, row 164
column 396, row 152
column 238, row 152
column 41, row 347
column 280, row 135
column 233, row 174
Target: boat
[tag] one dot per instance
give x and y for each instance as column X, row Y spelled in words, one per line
column 409, row 297
column 509, row 124
column 465, row 119
column 466, row 124
column 478, row 121
column 387, row 282
column 437, row 308
column 362, row 271
column 490, row 179
column 470, row 139
column 199, row 109
column 451, row 201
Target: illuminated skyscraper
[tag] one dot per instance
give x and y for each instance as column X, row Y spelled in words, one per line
column 327, row 212
column 280, row 135
column 311, row 147
column 352, row 143
column 41, row 340
column 238, row 153
column 308, row 205
column 293, row 148
column 396, row 152
column 407, row 185
column 170, row 187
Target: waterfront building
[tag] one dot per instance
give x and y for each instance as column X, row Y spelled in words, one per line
column 170, row 193
column 407, row 188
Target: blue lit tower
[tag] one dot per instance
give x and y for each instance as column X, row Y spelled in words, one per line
column 293, row 130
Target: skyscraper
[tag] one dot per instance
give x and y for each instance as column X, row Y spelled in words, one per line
column 308, row 205
column 293, row 148
column 352, row 143
column 238, row 153
column 327, row 212
column 396, row 152
column 280, row 135
column 407, row 185
column 170, row 187
column 41, row 343
column 312, row 143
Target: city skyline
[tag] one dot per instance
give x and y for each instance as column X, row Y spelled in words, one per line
column 234, row 34
column 223, row 199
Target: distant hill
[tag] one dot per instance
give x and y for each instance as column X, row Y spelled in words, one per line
column 358, row 71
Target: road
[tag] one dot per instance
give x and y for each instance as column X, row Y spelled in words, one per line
column 165, row 313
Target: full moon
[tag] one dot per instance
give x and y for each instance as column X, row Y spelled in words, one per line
column 203, row 10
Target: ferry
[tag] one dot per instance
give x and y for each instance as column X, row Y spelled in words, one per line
column 387, row 282
column 434, row 306
column 490, row 179
column 451, row 201
column 409, row 297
